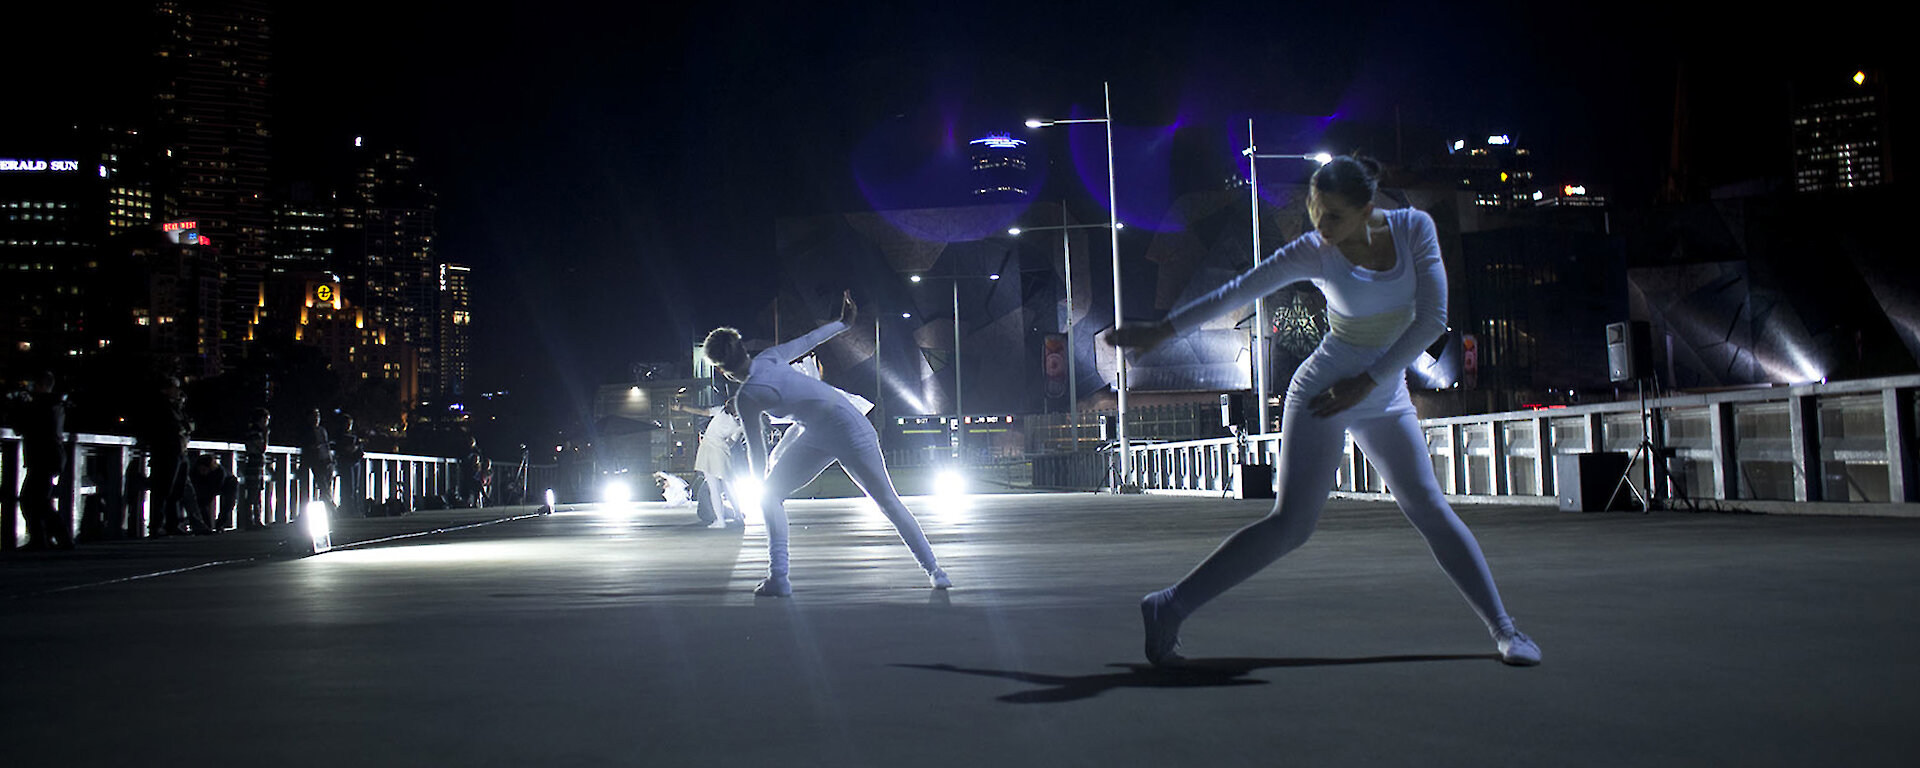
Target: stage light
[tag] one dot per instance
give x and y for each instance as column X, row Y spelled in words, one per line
column 746, row 497
column 319, row 528
column 950, row 483
column 1322, row 158
column 1013, row 231
column 1035, row 123
column 616, row 491
column 548, row 509
column 913, row 279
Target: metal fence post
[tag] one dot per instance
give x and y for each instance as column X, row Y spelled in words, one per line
column 1803, row 424
column 1897, row 408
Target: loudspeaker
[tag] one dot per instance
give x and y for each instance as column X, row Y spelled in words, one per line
column 1232, row 413
column 1584, row 481
column 1253, row 481
column 1106, row 428
column 1629, row 351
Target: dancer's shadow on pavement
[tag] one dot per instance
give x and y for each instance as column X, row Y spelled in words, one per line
column 1192, row 673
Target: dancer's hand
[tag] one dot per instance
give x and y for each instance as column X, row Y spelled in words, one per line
column 1344, row 394
column 847, row 310
column 1141, row 336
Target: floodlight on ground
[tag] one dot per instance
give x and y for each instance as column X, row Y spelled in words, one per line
column 950, row 483
column 547, row 509
column 616, row 491
column 746, row 497
column 319, row 529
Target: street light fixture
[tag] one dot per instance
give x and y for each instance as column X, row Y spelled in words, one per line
column 959, row 402
column 1260, row 305
column 1066, row 257
column 1113, row 222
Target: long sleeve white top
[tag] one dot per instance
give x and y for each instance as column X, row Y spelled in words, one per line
column 1400, row 310
column 776, row 389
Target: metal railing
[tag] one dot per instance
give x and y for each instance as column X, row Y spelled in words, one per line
column 1849, row 441
column 103, row 492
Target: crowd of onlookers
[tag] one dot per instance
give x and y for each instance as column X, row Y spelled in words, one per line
column 201, row 494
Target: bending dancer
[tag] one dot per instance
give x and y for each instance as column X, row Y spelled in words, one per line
column 1386, row 301
column 714, row 461
column 826, row 428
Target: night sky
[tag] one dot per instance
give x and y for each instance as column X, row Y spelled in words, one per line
column 614, row 174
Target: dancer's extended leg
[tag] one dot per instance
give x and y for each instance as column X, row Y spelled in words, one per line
column 1394, row 445
column 1309, row 462
column 869, row 471
column 794, row 468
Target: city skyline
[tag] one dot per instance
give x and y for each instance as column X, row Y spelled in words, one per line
column 623, row 166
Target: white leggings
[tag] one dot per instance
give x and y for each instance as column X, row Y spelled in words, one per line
column 800, row 457
column 1310, row 456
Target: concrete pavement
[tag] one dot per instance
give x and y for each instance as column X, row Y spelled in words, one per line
column 629, row 636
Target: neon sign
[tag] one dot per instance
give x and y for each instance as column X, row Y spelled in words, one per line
column 179, row 226
column 999, row 141
column 39, row 166
column 1500, row 139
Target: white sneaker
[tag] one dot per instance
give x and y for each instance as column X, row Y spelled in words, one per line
column 774, row 586
column 1163, row 629
column 1516, row 648
column 939, row 579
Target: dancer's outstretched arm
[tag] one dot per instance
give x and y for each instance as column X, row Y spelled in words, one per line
column 797, row 348
column 1291, row 263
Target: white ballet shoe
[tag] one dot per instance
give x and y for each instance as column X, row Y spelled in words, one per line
column 1516, row 649
column 1162, row 627
column 774, row 586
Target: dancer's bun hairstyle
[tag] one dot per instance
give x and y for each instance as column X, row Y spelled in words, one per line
column 1354, row 178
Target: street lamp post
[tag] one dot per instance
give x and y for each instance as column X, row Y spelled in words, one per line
column 1113, row 223
column 959, row 402
column 1260, row 305
column 1066, row 255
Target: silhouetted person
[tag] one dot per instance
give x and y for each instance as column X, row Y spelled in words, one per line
column 253, row 473
column 472, row 473
column 316, row 459
column 43, row 419
column 165, row 430
column 348, row 452
column 212, row 484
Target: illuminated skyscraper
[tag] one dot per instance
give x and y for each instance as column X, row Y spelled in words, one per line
column 998, row 170
column 456, row 323
column 1841, row 135
column 212, row 119
column 387, row 221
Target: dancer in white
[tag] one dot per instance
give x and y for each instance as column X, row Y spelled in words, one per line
column 826, row 428
column 1386, row 301
column 673, row 489
column 714, row 461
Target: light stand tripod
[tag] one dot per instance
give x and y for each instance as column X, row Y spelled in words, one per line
column 1654, row 456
